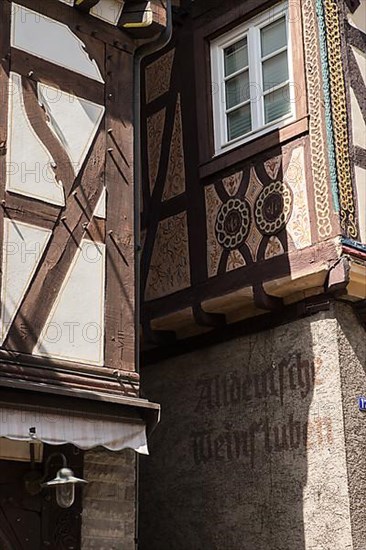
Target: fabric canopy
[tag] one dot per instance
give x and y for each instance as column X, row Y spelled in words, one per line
column 83, row 431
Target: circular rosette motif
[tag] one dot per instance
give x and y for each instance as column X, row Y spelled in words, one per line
column 232, row 223
column 273, row 208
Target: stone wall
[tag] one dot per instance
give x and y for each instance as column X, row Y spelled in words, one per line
column 109, row 504
column 352, row 350
column 250, row 453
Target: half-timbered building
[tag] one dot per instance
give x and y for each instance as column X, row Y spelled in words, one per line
column 254, row 277
column 69, row 386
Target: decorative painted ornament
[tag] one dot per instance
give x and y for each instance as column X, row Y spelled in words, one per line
column 273, row 208
column 232, row 223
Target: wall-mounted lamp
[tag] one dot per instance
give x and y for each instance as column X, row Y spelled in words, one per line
column 64, row 482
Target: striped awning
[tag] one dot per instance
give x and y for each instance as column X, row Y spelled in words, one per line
column 85, row 431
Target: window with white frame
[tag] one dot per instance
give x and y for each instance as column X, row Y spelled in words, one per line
column 251, row 75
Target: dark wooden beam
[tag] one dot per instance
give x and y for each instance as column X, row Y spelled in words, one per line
column 357, row 81
column 353, row 5
column 37, row 119
column 262, row 300
column 338, row 277
column 155, row 204
column 63, row 244
column 306, row 260
column 60, row 366
column 77, row 381
column 157, row 337
column 205, row 319
column 120, row 270
column 355, row 37
column 85, row 5
column 93, row 405
column 32, row 211
column 40, row 70
column 360, row 157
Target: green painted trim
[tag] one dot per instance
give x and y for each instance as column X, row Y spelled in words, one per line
column 327, row 104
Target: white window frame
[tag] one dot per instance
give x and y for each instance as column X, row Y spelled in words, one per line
column 250, row 29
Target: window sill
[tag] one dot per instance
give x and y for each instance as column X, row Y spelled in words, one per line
column 243, row 151
column 256, row 134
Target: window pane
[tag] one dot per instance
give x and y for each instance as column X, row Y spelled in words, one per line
column 277, row 104
column 274, row 37
column 239, row 122
column 275, row 71
column 237, row 90
column 236, row 57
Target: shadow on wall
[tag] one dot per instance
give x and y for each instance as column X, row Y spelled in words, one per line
column 352, row 350
column 229, row 460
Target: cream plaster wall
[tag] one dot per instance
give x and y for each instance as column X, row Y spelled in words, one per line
column 251, row 450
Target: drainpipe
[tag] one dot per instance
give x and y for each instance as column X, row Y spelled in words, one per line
column 143, row 51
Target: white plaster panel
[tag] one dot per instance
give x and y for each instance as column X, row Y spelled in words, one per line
column 73, row 120
column 51, row 40
column 358, row 18
column 360, row 177
column 100, row 209
column 23, row 248
column 74, row 330
column 108, row 10
column 358, row 123
column 29, row 162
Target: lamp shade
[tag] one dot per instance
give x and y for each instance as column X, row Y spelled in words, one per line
column 64, row 483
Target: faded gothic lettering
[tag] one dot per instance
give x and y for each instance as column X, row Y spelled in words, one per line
column 261, row 437
column 291, row 374
column 254, row 437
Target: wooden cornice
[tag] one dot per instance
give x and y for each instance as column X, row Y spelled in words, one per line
column 344, row 280
column 320, row 270
column 253, row 291
column 19, row 367
column 252, row 325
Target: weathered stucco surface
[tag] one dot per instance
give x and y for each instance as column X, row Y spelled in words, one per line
column 352, row 352
column 250, row 453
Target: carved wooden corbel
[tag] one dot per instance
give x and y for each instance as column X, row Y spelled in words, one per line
column 205, row 319
column 263, row 300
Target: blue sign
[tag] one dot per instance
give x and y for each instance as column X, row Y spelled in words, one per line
column 362, row 403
